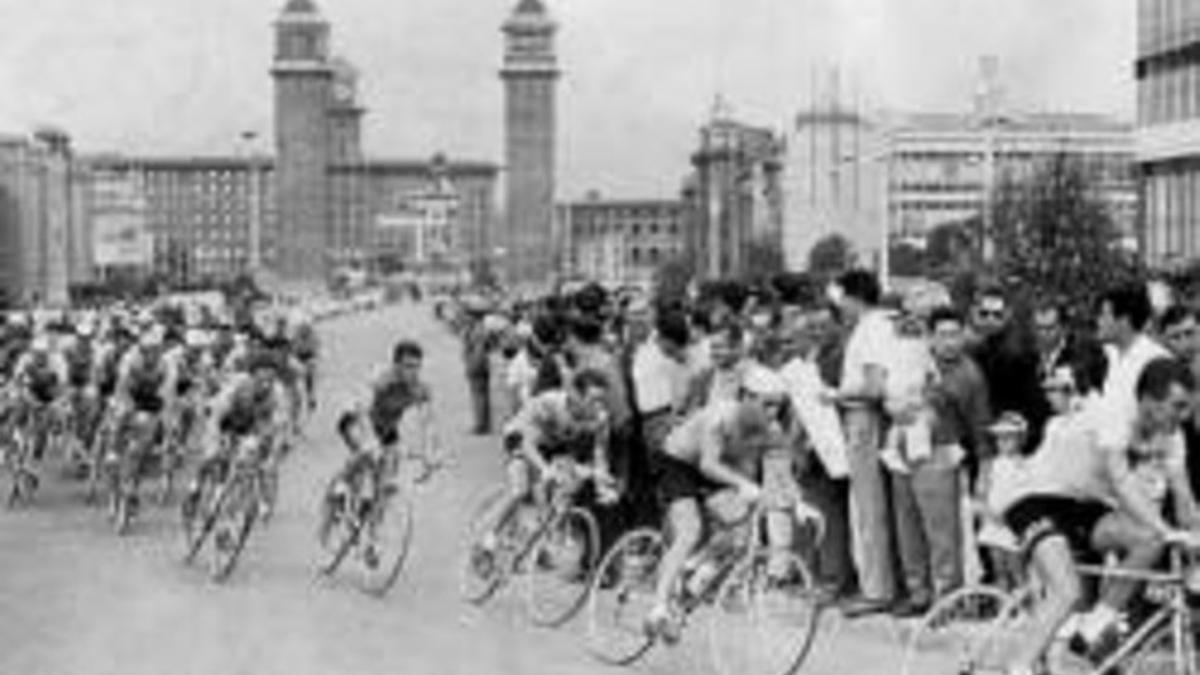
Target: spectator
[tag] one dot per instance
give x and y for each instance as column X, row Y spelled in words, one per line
column 864, row 373
column 723, row 378
column 926, row 490
column 1123, row 315
column 1009, row 363
column 1060, row 347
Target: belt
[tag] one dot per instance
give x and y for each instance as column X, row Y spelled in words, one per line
column 659, row 412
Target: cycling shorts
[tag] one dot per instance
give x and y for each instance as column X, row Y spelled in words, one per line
column 1037, row 517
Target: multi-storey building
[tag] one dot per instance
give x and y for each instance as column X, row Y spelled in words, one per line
column 734, row 198
column 1168, row 91
column 40, row 236
column 621, row 242
column 887, row 176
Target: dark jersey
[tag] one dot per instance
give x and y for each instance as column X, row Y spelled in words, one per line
column 390, row 398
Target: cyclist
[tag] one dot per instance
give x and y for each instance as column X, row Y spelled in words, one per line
column 1082, row 494
column 40, row 376
column 248, row 412
column 138, row 400
column 709, row 463
column 306, row 347
column 393, row 393
column 80, row 358
column 554, row 434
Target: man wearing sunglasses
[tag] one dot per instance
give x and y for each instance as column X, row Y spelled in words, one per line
column 1009, row 362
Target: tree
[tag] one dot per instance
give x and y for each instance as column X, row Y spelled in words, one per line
column 672, row 277
column 831, row 255
column 952, row 246
column 1054, row 237
column 906, row 260
column 764, row 258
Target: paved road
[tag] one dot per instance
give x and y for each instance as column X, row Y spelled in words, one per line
column 76, row 600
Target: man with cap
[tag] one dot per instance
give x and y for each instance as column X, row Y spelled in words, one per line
column 708, row 460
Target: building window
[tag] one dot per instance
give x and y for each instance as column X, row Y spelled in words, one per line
column 635, row 255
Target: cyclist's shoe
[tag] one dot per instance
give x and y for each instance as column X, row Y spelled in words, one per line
column 1104, row 646
column 190, row 505
column 371, row 556
column 662, row 624
column 483, row 562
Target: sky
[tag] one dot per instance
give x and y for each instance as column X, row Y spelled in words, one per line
column 640, row 76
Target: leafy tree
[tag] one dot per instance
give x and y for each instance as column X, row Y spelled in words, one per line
column 672, row 277
column 906, row 260
column 831, row 255
column 1054, row 237
column 764, row 258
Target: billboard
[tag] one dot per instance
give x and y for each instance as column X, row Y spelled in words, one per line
column 121, row 239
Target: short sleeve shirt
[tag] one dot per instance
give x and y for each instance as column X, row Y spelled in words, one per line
column 871, row 343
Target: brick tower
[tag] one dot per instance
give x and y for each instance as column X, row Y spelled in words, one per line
column 530, row 76
column 304, row 78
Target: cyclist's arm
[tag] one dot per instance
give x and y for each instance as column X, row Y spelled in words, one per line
column 528, row 427
column 1132, row 499
column 1186, row 512
column 431, row 441
column 600, row 451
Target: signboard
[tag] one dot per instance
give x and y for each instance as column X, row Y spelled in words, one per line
column 121, row 239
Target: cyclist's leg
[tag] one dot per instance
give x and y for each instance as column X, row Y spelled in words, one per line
column 1052, row 561
column 685, row 527
column 1140, row 548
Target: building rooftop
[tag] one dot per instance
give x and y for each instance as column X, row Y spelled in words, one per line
column 531, row 7
column 300, row 7
column 1019, row 121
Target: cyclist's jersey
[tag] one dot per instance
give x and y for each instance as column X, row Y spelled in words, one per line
column 546, row 421
column 40, row 375
column 391, row 396
column 304, row 344
column 142, row 380
column 80, row 363
column 242, row 408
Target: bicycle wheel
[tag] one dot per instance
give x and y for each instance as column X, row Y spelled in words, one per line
column 963, row 633
column 341, row 537
column 558, row 565
column 385, row 555
column 235, row 520
column 198, row 520
column 765, row 616
column 483, row 570
column 621, row 595
column 1162, row 654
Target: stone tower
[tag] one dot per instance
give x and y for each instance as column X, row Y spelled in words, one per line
column 530, row 76
column 304, row 78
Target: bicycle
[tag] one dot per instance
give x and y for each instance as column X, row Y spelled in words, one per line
column 232, row 497
column 741, row 586
column 374, row 519
column 124, row 467
column 981, row 639
column 551, row 543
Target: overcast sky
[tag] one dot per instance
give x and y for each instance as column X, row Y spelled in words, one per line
column 186, row 76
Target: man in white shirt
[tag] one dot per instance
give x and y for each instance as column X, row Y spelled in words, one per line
column 864, row 373
column 660, row 377
column 1122, row 318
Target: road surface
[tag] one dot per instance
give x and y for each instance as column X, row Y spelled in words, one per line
column 77, row 600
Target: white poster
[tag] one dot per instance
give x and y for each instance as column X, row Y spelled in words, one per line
column 121, row 239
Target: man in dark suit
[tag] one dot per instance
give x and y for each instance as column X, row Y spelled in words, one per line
column 1058, row 346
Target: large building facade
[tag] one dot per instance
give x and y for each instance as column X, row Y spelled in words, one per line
column 41, row 233
column 621, row 242
column 897, row 176
column 1168, row 148
column 530, row 76
column 734, row 198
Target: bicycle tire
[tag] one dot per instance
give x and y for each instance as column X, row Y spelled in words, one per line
column 347, row 533
column 246, row 504
column 397, row 512
column 960, row 634
column 478, row 526
column 628, row 571
column 554, row 595
column 1157, row 655
column 748, row 592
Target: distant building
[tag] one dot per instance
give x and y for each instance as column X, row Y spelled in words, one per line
column 734, row 197
column 40, row 237
column 861, row 175
column 621, row 242
column 530, row 75
column 214, row 218
column 1168, row 88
